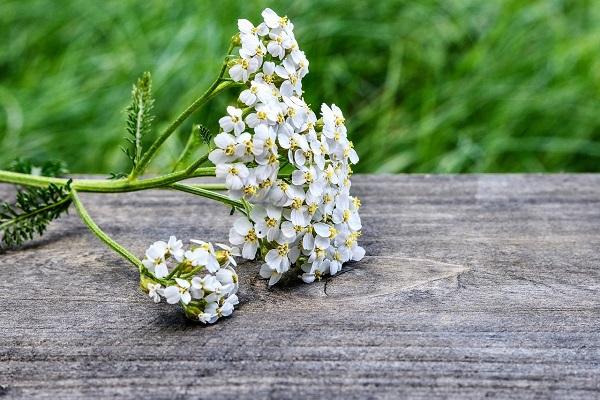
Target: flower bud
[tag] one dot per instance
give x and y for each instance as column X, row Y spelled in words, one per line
column 236, row 40
column 222, row 256
column 194, row 308
column 319, row 125
column 144, row 281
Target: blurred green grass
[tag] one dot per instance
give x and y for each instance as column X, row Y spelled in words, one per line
column 429, row 86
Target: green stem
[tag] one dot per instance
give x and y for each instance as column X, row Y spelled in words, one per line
column 210, row 195
column 212, row 91
column 206, row 171
column 110, row 242
column 107, row 186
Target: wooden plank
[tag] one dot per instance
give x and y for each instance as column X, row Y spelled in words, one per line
column 472, row 286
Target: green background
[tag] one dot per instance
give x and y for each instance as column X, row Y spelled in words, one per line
column 427, row 86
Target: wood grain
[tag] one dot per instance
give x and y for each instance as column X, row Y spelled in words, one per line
column 473, row 286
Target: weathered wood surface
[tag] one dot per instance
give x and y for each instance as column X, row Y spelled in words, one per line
column 473, row 286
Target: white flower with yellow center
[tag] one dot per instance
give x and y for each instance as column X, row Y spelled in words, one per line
column 155, row 260
column 267, row 272
column 273, row 21
column 247, row 28
column 234, row 174
column 228, row 149
column 154, row 291
column 209, row 315
column 292, row 84
column 314, row 271
column 179, row 292
column 267, row 221
column 233, row 121
column 243, row 68
column 226, row 309
column 325, row 234
column 243, row 234
column 283, row 255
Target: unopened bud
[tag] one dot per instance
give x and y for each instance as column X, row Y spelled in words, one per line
column 144, row 281
column 235, row 40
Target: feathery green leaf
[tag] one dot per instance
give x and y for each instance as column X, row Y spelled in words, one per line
column 32, row 212
column 139, row 118
column 53, row 168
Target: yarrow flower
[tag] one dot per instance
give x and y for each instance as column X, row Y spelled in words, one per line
column 285, row 168
column 200, row 279
column 292, row 168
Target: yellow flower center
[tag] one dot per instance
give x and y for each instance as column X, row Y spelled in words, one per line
column 249, row 146
column 282, row 249
column 249, row 190
column 297, row 203
column 332, row 232
column 308, row 177
column 346, row 216
column 271, row 222
column 265, row 184
column 230, row 150
column 251, row 236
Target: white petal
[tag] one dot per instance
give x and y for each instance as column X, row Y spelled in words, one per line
column 249, row 250
column 160, row 271
column 266, row 271
column 186, row 297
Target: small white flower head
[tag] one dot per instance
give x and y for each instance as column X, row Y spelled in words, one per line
column 155, row 260
column 175, row 248
column 155, row 290
column 201, row 284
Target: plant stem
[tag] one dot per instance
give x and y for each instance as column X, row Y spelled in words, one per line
column 87, row 219
column 214, row 89
column 106, row 186
column 210, row 195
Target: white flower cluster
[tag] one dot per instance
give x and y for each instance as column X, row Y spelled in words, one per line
column 292, row 167
column 200, row 279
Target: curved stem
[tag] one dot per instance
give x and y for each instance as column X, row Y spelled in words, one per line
column 110, row 242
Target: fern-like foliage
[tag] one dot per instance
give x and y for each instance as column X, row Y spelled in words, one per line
column 53, row 168
column 203, row 133
column 32, row 211
column 117, row 175
column 139, row 117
